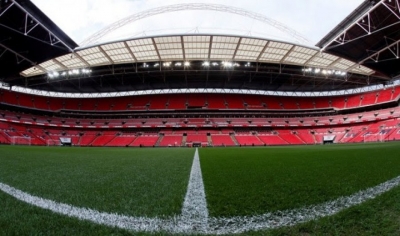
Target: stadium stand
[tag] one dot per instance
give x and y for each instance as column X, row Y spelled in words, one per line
column 222, row 140
column 145, row 141
column 171, row 141
column 248, row 140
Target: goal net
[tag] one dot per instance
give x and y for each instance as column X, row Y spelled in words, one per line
column 53, row 142
column 373, row 138
column 21, row 140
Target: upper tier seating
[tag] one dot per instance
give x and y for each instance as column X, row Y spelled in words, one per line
column 187, row 101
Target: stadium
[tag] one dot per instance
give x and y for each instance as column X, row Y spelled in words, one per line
column 107, row 137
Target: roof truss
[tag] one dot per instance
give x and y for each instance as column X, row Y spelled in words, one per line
column 201, row 47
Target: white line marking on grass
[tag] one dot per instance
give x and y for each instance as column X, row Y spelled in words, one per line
column 194, row 212
column 194, row 218
column 292, row 217
column 125, row 222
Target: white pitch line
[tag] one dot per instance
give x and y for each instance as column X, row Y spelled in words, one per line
column 292, row 217
column 194, row 217
column 139, row 224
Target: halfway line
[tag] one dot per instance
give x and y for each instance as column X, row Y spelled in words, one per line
column 194, row 217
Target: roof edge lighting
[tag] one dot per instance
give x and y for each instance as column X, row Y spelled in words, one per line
column 197, row 90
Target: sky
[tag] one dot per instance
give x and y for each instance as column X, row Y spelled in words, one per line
column 311, row 18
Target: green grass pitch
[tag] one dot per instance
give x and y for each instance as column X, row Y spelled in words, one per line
column 238, row 182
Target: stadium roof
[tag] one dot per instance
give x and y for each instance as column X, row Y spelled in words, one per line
column 369, row 36
column 177, row 61
column 196, row 47
column 28, row 37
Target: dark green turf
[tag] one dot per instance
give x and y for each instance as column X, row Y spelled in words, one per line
column 251, row 181
column 298, row 175
column 18, row 218
column 380, row 216
column 142, row 182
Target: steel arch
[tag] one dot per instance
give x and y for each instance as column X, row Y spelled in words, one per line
column 194, row 6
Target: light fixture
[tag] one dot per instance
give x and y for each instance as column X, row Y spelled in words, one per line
column 186, row 63
column 227, row 64
column 206, row 64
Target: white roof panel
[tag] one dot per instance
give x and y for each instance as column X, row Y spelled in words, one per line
column 197, row 47
column 225, row 39
column 303, row 50
column 279, row 45
column 71, row 61
column 295, row 60
column 117, row 51
column 253, row 48
column 275, row 51
column 112, row 46
column 224, row 45
column 32, row 72
column 254, row 42
column 194, row 38
column 50, row 65
column 167, row 40
column 222, row 52
column 169, row 46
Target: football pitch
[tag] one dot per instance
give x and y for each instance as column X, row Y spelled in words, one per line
column 330, row 190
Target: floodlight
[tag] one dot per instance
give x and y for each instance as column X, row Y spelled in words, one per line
column 186, row 63
column 227, row 64
column 206, row 64
column 178, row 64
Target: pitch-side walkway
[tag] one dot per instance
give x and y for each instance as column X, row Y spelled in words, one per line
column 194, row 218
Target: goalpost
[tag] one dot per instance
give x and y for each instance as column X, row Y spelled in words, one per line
column 374, row 138
column 21, row 140
column 53, row 142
